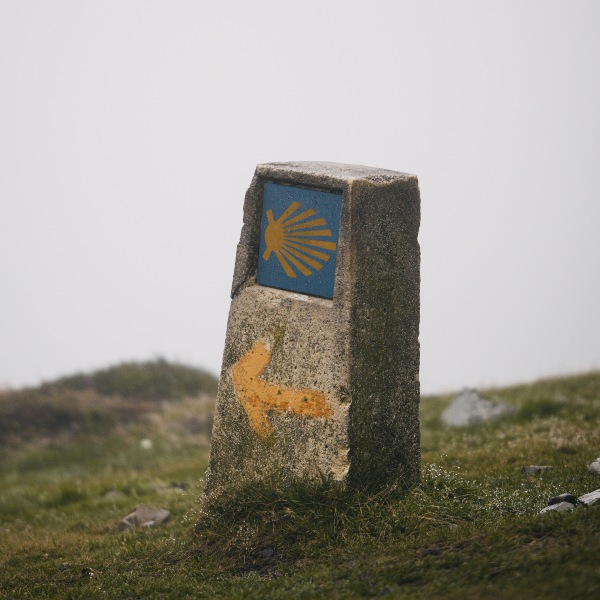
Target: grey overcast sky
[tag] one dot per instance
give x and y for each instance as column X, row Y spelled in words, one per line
column 130, row 130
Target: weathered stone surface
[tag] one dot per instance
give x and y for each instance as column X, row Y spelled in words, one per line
column 591, row 498
column 595, row 467
column 313, row 387
column 560, row 507
column 536, row 469
column 468, row 408
column 563, row 498
column 145, row 516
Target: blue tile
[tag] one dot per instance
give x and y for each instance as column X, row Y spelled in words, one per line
column 299, row 239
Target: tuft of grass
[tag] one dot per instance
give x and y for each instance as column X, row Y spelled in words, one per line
column 449, row 537
column 257, row 527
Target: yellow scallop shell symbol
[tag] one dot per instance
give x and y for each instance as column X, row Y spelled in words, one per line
column 294, row 238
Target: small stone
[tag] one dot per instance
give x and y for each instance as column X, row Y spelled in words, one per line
column 536, row 469
column 179, row 485
column 267, row 552
column 145, row 516
column 468, row 408
column 595, row 467
column 560, row 507
column 114, row 495
column 591, row 498
column 146, row 444
column 563, row 498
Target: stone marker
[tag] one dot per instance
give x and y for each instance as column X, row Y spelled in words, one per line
column 320, row 375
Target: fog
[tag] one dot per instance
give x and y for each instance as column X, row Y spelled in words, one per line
column 129, row 132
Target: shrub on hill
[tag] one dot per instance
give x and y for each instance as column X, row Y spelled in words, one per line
column 97, row 402
column 155, row 380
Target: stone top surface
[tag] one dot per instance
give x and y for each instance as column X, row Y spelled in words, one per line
column 340, row 172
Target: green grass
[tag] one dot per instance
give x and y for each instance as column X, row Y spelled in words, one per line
column 471, row 529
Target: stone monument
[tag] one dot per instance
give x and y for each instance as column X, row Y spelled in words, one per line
column 320, row 375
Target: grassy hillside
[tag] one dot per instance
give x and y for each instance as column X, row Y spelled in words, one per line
column 471, row 529
column 100, row 402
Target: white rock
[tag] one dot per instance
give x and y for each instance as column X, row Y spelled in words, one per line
column 145, row 516
column 591, row 498
column 560, row 507
column 468, row 407
column 595, row 467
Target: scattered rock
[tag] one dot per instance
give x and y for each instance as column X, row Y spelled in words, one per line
column 179, row 485
column 595, row 467
column 560, row 507
column 566, row 502
column 563, row 498
column 114, row 495
column 468, row 407
column 536, row 469
column 591, row 498
column 163, row 487
column 267, row 552
column 145, row 516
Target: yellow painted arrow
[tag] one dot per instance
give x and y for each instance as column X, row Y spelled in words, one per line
column 258, row 397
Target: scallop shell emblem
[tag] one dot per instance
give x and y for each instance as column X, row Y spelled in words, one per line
column 298, row 241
